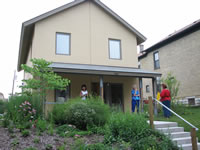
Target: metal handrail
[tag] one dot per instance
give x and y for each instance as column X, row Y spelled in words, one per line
column 176, row 114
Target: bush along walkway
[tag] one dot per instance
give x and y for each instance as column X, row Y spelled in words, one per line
column 177, row 134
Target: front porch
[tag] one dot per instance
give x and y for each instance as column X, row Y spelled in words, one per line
column 113, row 84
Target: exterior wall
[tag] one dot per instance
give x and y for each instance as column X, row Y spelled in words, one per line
column 77, row 80
column 180, row 57
column 28, row 62
column 89, row 37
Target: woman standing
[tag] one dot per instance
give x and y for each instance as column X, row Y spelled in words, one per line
column 166, row 100
column 135, row 99
column 84, row 92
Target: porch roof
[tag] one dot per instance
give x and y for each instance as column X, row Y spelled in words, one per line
column 103, row 70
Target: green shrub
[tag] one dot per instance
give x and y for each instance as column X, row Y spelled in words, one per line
column 3, row 105
column 98, row 146
column 25, row 133
column 48, row 147
column 41, row 125
column 36, row 140
column 151, row 139
column 125, row 127
column 5, row 122
column 82, row 113
column 23, row 108
column 65, row 129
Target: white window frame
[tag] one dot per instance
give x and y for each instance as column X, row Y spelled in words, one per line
column 156, row 60
column 69, row 44
column 120, row 49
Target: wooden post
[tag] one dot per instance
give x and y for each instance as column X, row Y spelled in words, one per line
column 151, row 112
column 101, row 87
column 194, row 139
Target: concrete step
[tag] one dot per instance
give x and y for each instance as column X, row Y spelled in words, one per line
column 184, row 140
column 178, row 134
column 163, row 124
column 188, row 146
column 171, row 129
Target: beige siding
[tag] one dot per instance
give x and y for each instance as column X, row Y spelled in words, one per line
column 28, row 62
column 90, row 27
column 180, row 57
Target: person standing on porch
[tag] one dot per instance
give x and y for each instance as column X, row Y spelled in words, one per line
column 84, row 92
column 166, row 100
column 135, row 99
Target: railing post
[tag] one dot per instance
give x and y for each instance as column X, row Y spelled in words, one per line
column 194, row 139
column 151, row 112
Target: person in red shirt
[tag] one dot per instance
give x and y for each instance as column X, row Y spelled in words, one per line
column 166, row 100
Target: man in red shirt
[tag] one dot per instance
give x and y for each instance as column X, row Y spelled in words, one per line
column 166, row 100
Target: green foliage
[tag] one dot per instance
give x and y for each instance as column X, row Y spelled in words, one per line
column 5, row 122
column 3, row 105
column 36, row 140
column 15, row 142
column 151, row 139
column 172, row 84
column 41, row 125
column 43, row 78
column 50, row 129
column 23, row 110
column 78, row 145
column 125, row 127
column 98, row 146
column 65, row 130
column 82, row 113
column 48, row 147
column 25, row 133
column 62, row 147
column 30, row 148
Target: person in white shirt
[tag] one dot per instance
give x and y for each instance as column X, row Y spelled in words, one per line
column 84, row 92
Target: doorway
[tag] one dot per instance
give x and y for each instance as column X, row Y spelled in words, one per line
column 113, row 94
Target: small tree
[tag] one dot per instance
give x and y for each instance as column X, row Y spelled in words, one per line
column 43, row 79
column 172, row 84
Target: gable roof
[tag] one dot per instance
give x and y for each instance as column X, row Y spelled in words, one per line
column 28, row 27
column 172, row 37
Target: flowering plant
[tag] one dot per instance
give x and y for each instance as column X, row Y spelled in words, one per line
column 27, row 112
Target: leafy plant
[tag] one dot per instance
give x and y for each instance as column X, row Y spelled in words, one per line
column 41, row 125
column 82, row 113
column 48, row 147
column 36, row 140
column 5, row 122
column 62, row 147
column 172, row 84
column 30, row 148
column 15, row 142
column 3, row 105
column 152, row 140
column 50, row 129
column 25, row 133
column 124, row 127
column 43, row 79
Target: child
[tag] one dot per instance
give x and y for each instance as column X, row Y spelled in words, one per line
column 84, row 92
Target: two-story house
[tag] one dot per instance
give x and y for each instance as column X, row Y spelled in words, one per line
column 178, row 53
column 89, row 44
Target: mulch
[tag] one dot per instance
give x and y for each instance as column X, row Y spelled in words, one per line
column 15, row 141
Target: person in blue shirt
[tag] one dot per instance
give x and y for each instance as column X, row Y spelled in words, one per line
column 135, row 99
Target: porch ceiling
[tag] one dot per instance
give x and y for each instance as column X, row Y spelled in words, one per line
column 103, row 70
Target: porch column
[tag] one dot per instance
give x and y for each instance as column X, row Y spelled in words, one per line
column 154, row 95
column 101, row 86
column 141, row 94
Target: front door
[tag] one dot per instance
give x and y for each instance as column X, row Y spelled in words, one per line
column 113, row 94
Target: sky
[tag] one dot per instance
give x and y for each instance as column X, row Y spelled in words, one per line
column 155, row 19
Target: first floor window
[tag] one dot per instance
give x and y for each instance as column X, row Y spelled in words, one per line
column 114, row 49
column 147, row 88
column 63, row 43
column 63, row 95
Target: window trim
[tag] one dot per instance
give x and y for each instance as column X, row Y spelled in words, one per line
column 120, row 46
column 64, row 33
column 55, row 98
column 154, row 61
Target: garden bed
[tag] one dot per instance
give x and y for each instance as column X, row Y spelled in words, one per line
column 44, row 141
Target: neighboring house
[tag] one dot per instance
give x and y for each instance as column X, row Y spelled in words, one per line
column 89, row 44
column 1, row 96
column 178, row 53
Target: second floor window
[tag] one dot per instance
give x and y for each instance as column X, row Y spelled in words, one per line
column 63, row 43
column 114, row 49
column 156, row 60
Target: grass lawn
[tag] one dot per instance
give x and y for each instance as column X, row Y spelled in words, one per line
column 191, row 114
